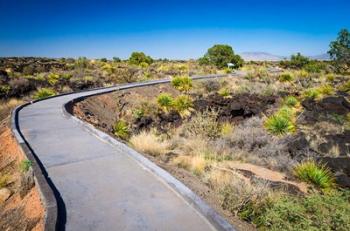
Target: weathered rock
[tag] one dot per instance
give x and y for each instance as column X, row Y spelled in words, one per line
column 26, row 182
column 5, row 193
column 334, row 104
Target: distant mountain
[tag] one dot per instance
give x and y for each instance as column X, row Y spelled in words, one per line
column 321, row 57
column 260, row 56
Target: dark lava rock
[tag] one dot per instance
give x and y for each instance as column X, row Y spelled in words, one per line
column 341, row 167
column 334, row 104
column 238, row 106
column 342, row 141
column 143, row 122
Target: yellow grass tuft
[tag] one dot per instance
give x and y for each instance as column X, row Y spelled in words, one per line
column 149, row 143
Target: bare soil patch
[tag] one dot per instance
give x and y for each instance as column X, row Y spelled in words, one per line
column 23, row 210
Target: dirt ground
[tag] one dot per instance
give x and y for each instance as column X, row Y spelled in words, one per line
column 23, row 210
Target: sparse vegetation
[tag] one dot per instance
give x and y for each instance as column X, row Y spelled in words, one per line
column 24, row 165
column 183, row 105
column 165, row 101
column 149, row 143
column 182, row 83
column 44, row 93
column 121, row 129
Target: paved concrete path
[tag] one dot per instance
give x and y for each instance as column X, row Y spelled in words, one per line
column 103, row 187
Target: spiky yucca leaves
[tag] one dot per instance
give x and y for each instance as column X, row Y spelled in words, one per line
column 314, row 173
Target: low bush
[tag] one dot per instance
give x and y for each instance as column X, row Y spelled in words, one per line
column 44, row 93
column 24, row 165
column 291, row 101
column 326, row 89
column 204, row 124
column 314, row 173
column 183, row 105
column 226, row 129
column 311, row 93
column 53, row 78
column 165, row 101
column 345, row 87
column 182, row 83
column 314, row 212
column 286, row 77
column 225, row 92
column 121, row 129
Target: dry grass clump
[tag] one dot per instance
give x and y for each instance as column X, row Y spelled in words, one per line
column 204, row 124
column 149, row 143
column 195, row 164
column 252, row 143
column 7, row 106
column 239, row 196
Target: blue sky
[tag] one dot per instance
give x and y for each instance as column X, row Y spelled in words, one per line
column 171, row 29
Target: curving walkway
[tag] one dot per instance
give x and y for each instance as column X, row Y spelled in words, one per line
column 102, row 183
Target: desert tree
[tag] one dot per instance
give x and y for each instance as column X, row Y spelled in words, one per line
column 340, row 51
column 220, row 55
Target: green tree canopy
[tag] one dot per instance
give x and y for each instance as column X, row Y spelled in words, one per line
column 299, row 61
column 220, row 55
column 139, row 57
column 340, row 51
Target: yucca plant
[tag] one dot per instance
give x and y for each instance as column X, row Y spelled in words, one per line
column 311, row 93
column 183, row 105
column 165, row 101
column 279, row 125
column 121, row 129
column 314, row 173
column 326, row 89
column 182, row 83
column 285, row 77
column 291, row 101
column 225, row 92
column 44, row 93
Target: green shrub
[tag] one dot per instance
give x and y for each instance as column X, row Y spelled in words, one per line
column 165, row 101
column 121, row 129
column 53, row 79
column 330, row 77
column 279, row 124
column 311, row 93
column 314, row 67
column 24, row 165
column 314, row 173
column 326, row 89
column 314, row 212
column 182, row 83
column 138, row 58
column 44, row 93
column 285, row 77
column 138, row 113
column 183, row 105
column 225, row 92
column 345, row 87
column 220, row 55
column 291, row 101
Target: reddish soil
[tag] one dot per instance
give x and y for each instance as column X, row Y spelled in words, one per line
column 23, row 210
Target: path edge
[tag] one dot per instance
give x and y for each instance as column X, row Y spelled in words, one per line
column 214, row 218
